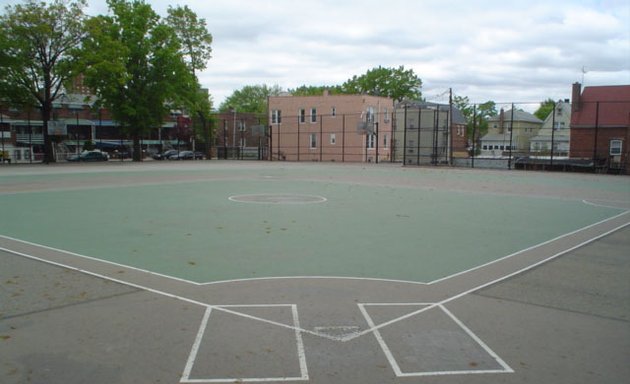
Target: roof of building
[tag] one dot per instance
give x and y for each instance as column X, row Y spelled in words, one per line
column 458, row 116
column 562, row 114
column 518, row 116
column 604, row 106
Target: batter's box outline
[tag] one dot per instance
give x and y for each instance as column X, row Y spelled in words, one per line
column 204, row 325
column 392, row 360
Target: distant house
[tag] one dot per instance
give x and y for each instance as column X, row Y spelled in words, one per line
column 510, row 132
column 555, row 132
column 239, row 135
column 346, row 128
column 428, row 133
column 600, row 125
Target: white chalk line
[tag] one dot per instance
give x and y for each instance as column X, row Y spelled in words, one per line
column 606, row 206
column 244, row 199
column 345, row 338
column 299, row 330
column 95, row 259
column 528, row 248
column 149, row 272
column 394, row 364
column 200, row 334
column 195, row 348
column 341, row 339
column 487, row 284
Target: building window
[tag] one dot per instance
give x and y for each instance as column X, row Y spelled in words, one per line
column 312, row 139
column 386, row 116
column 333, row 112
column 333, row 138
column 370, row 115
column 313, row 115
column 371, row 141
column 276, row 116
column 302, row 115
column 385, row 140
column 615, row 147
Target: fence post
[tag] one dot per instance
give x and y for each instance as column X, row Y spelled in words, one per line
column 343, row 139
column 436, row 123
column 404, row 147
column 553, row 131
column 474, row 147
column 270, row 142
column 376, row 131
column 321, row 136
column 511, row 135
column 419, row 134
column 278, row 134
column 596, row 134
column 298, row 138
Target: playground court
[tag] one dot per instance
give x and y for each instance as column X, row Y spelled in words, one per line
column 208, row 272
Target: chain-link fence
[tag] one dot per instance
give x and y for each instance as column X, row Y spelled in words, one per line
column 583, row 136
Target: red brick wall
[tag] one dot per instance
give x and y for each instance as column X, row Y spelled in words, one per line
column 583, row 143
column 348, row 144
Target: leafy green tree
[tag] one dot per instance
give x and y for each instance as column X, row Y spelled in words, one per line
column 545, row 109
column 135, row 66
column 250, row 99
column 315, row 90
column 193, row 34
column 39, row 53
column 476, row 115
column 487, row 110
column 397, row 83
column 196, row 48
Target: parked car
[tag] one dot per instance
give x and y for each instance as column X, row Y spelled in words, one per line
column 165, row 155
column 89, row 156
column 186, row 155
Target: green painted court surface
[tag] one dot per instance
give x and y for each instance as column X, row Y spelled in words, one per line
column 383, row 223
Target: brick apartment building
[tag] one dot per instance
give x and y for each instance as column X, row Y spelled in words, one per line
column 346, row 128
column 600, row 126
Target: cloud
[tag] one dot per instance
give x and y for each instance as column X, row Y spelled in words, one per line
column 486, row 49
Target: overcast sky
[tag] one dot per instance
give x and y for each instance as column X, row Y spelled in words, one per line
column 505, row 51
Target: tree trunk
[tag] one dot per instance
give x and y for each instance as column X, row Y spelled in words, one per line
column 137, row 148
column 49, row 154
